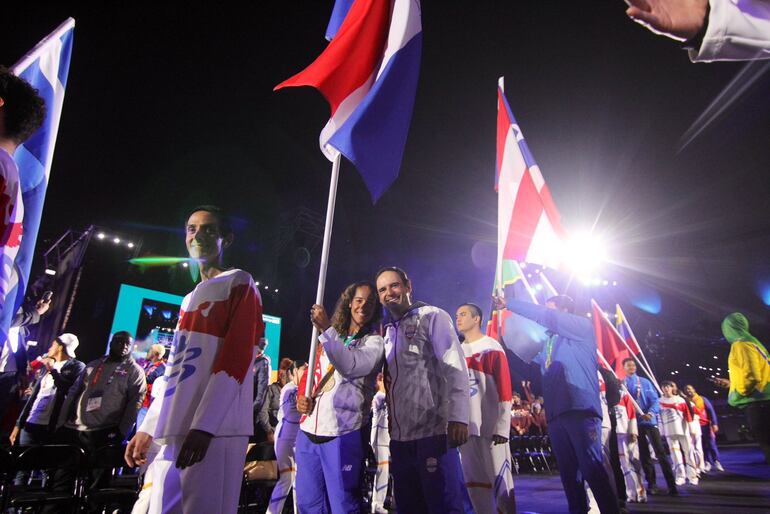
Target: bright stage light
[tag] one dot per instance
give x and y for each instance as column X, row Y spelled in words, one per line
column 101, row 235
column 116, row 240
column 584, row 253
column 276, row 290
column 130, row 245
column 184, row 264
column 256, row 283
column 50, row 271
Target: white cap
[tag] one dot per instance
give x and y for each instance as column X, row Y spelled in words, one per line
column 70, row 343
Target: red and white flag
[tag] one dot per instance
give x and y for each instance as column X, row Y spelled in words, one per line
column 529, row 225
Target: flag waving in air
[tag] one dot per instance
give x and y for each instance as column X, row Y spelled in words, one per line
column 368, row 73
column 46, row 68
column 608, row 341
column 528, row 224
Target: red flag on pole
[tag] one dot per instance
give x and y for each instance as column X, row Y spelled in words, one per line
column 608, row 341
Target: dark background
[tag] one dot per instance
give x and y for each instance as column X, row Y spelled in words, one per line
column 169, row 106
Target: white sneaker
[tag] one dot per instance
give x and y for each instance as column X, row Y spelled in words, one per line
column 694, row 481
column 707, row 467
column 680, row 481
column 718, row 465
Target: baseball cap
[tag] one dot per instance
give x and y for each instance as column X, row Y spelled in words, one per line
column 70, row 343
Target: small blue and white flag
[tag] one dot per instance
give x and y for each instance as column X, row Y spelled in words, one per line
column 46, row 68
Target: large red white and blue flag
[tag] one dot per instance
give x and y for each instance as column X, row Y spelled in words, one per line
column 528, row 224
column 46, row 68
column 368, row 73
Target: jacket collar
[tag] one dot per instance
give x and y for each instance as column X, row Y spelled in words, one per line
column 388, row 319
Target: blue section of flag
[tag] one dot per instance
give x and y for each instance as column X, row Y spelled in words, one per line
column 341, row 8
column 374, row 136
column 34, row 157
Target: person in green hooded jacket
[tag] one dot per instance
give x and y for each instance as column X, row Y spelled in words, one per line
column 749, row 384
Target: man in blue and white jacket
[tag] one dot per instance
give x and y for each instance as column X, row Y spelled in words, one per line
column 426, row 382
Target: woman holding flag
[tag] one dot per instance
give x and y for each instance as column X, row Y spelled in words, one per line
column 334, row 429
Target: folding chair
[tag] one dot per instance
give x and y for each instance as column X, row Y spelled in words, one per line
column 55, row 457
column 118, row 490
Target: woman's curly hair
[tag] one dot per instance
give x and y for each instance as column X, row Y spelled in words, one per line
column 342, row 315
column 23, row 109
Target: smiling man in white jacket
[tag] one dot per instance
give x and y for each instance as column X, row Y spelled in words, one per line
column 426, row 382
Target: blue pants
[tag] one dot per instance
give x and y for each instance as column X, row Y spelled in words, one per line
column 576, row 438
column 426, row 476
column 329, row 474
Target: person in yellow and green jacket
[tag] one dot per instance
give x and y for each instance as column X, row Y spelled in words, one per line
column 749, row 366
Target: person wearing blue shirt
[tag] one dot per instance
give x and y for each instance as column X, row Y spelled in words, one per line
column 569, row 366
column 646, row 396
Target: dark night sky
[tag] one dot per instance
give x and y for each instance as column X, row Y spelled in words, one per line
column 171, row 105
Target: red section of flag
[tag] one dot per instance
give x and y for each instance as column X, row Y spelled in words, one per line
column 609, row 342
column 527, row 209
column 351, row 57
column 492, row 324
column 503, row 126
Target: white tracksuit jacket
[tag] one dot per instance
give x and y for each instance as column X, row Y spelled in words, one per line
column 426, row 377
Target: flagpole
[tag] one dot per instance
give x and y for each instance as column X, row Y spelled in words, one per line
column 319, row 296
column 548, row 284
column 641, row 352
column 620, row 337
column 622, row 385
column 40, row 47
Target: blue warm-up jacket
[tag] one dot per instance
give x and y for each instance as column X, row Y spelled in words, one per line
column 570, row 383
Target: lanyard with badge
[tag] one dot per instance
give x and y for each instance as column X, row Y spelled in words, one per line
column 94, row 401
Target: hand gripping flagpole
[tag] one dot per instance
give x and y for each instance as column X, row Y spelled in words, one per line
column 319, row 296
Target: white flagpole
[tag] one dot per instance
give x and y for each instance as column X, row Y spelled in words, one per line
column 622, row 385
column 319, row 296
column 548, row 285
column 649, row 369
column 639, row 362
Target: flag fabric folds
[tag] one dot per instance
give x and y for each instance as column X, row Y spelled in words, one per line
column 46, row 68
column 624, row 329
column 608, row 341
column 528, row 223
column 522, row 336
column 368, row 73
column 339, row 12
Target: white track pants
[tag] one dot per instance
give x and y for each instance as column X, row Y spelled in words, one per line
column 628, row 452
column 684, row 468
column 487, row 471
column 287, row 474
column 382, row 454
column 212, row 485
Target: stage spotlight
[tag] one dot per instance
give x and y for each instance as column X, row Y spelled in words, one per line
column 586, row 281
column 597, row 281
column 116, row 240
column 584, row 253
column 184, row 264
column 256, row 284
column 101, row 235
column 605, row 283
column 267, row 287
column 276, row 290
column 538, row 287
column 614, row 283
column 130, row 245
column 50, row 271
